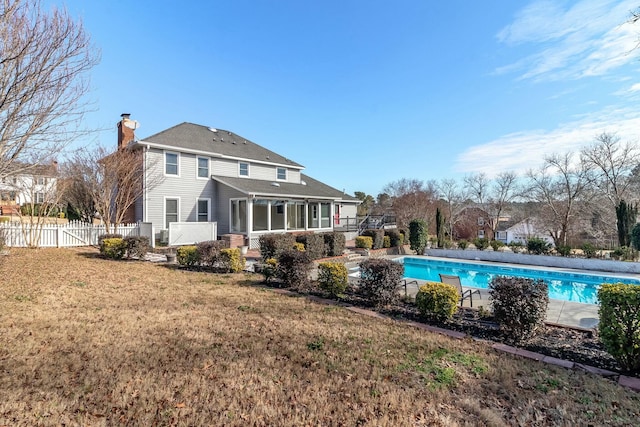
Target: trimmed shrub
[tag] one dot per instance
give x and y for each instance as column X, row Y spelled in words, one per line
column 496, row 244
column 313, row 245
column 395, row 238
column 269, row 269
column 437, row 301
column 377, row 238
column 333, row 277
column 519, row 306
column 188, row 255
column 108, row 236
column 563, row 250
column 294, row 268
column 622, row 253
column 589, row 250
column 379, row 280
column 209, row 252
column 231, row 260
column 619, row 325
column 538, row 246
column 137, row 246
column 113, row 248
column 334, row 243
column 271, row 245
column 364, row 242
column 418, row 235
column 386, row 242
column 462, row 244
column 481, row 243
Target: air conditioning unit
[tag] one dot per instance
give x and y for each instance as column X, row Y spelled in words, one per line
column 164, row 236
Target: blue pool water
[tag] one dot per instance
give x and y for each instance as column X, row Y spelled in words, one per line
column 566, row 286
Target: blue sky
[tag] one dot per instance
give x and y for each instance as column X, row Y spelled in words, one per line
column 366, row 92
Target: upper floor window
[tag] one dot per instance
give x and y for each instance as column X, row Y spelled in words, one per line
column 244, row 169
column 41, row 180
column 481, row 234
column 281, row 174
column 39, row 197
column 171, row 163
column 480, row 220
column 203, row 167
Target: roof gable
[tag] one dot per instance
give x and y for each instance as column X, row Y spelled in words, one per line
column 218, row 142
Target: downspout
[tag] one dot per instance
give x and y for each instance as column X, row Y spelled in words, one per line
column 144, row 189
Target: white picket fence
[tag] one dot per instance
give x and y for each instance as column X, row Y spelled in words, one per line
column 75, row 233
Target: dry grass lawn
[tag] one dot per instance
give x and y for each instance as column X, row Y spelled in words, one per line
column 86, row 341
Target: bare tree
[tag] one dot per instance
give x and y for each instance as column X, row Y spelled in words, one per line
column 40, row 191
column 412, row 199
column 115, row 181
column 561, row 188
column 44, row 58
column 451, row 194
column 492, row 196
column 613, row 163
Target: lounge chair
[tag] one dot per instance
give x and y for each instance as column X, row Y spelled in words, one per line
column 464, row 294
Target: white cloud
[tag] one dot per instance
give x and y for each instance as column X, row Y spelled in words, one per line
column 590, row 38
column 634, row 87
column 526, row 150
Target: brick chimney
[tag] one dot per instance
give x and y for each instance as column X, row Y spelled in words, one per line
column 126, row 130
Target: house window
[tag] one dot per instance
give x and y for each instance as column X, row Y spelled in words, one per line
column 481, row 234
column 40, row 180
column 277, row 215
column 502, row 235
column 325, row 215
column 39, row 197
column 281, row 174
column 171, row 163
column 244, row 169
column 295, row 216
column 260, row 215
column 239, row 216
column 480, row 221
column 203, row 167
column 170, row 211
column 203, row 210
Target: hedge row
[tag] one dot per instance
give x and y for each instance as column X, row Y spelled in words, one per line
column 316, row 245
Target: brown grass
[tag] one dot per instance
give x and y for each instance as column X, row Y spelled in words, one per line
column 85, row 341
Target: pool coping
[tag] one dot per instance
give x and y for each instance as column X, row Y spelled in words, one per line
column 632, row 383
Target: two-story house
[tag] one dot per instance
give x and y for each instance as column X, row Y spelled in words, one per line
column 204, row 174
column 26, row 184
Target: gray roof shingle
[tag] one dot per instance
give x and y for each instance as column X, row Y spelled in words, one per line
column 216, row 141
column 312, row 189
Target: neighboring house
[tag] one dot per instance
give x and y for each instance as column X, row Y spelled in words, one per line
column 202, row 174
column 473, row 223
column 27, row 184
column 522, row 231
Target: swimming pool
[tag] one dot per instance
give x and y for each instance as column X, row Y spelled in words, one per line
column 566, row 286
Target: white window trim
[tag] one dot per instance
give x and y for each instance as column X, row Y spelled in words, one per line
column 198, row 167
column 285, row 174
column 164, row 209
column 164, row 163
column 208, row 209
column 248, row 170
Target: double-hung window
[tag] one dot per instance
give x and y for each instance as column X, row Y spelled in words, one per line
column 281, row 174
column 203, row 167
column 171, row 163
column 203, row 210
column 170, row 211
column 243, row 169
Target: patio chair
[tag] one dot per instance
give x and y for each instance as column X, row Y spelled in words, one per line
column 464, row 294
